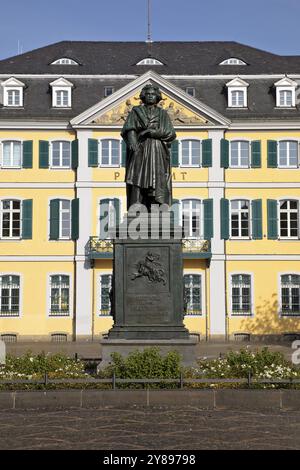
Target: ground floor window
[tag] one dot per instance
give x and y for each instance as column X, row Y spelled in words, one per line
column 10, row 296
column 59, row 295
column 241, row 294
column 192, row 294
column 105, row 297
column 290, row 294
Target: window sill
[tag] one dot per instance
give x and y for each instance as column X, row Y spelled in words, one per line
column 59, row 168
column 286, row 107
column 10, row 239
column 108, row 166
column 240, row 239
column 11, row 168
column 288, row 239
column 242, row 315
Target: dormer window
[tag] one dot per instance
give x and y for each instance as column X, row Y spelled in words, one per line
column 149, row 61
column 237, row 93
column 64, row 61
column 13, row 92
column 285, row 93
column 61, row 93
column 233, row 61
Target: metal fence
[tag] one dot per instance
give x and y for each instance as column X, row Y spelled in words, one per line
column 180, row 381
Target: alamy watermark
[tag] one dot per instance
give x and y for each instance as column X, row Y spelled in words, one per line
column 162, row 222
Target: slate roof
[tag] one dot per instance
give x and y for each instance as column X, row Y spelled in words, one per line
column 120, row 58
column 180, row 58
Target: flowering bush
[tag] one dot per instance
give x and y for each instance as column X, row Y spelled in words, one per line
column 262, row 364
column 34, row 367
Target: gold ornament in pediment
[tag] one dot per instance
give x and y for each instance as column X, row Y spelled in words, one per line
column 179, row 115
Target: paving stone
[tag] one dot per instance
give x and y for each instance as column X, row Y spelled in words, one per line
column 148, row 428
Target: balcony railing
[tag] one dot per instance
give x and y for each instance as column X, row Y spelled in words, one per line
column 191, row 248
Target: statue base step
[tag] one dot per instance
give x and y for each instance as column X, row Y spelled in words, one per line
column 185, row 347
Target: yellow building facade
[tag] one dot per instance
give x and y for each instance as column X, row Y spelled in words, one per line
column 236, row 187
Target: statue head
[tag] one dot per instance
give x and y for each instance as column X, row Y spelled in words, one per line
column 150, row 94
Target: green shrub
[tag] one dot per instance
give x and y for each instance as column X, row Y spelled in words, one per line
column 146, row 364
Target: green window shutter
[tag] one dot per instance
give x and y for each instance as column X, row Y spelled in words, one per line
column 75, row 218
column 93, row 152
column 224, row 219
column 54, row 219
column 43, row 154
column 257, row 219
column 124, row 150
column 208, row 209
column 207, row 153
column 272, row 219
column 27, row 219
column 272, row 154
column 74, row 147
column 176, row 210
column 256, row 154
column 27, row 153
column 104, row 228
column 116, row 203
column 175, row 153
column 224, row 153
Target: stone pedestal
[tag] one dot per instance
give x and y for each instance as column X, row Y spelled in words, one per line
column 147, row 293
column 185, row 347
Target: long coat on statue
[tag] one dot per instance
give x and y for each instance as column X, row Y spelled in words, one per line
column 149, row 166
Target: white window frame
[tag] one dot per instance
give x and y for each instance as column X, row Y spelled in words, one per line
column 61, row 212
column 105, row 91
column 233, row 61
column 278, row 152
column 55, row 92
column 109, row 165
column 188, row 272
column 64, row 61
column 111, row 198
column 48, row 303
column 288, row 218
column 252, row 307
column 99, row 285
column 149, row 61
column 280, row 89
column 14, row 90
column 13, row 167
column 190, row 165
column 9, row 85
column 280, row 314
column 60, row 167
column 231, row 90
column 20, row 294
column 239, row 154
column 201, row 221
column 190, row 88
column 240, row 237
column 1, row 218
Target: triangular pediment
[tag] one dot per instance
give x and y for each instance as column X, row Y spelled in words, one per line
column 237, row 82
column 184, row 110
column 286, row 81
column 13, row 82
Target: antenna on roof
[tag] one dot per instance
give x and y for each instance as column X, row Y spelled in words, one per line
column 149, row 35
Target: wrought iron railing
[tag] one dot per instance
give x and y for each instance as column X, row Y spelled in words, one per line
column 98, row 247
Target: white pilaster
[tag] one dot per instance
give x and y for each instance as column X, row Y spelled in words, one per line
column 217, row 264
column 84, row 278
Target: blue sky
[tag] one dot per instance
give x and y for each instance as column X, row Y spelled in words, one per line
column 272, row 25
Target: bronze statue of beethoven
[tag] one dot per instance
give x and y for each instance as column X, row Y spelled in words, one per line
column 148, row 133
